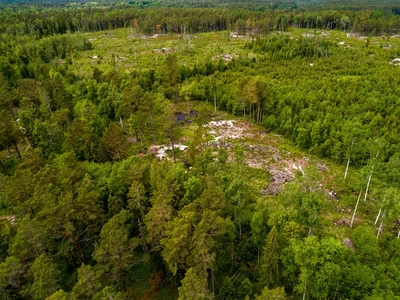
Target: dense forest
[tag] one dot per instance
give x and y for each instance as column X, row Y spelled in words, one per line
column 200, row 150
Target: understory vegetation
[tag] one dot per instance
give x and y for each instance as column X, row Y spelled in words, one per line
column 212, row 151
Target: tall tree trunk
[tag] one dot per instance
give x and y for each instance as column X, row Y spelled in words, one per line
column 2, row 166
column 355, row 209
column 173, row 146
column 215, row 102
column 381, row 225
column 250, row 116
column 305, row 288
column 348, row 161
column 76, row 245
column 366, row 192
column 347, row 168
column 16, row 121
column 377, row 217
column 73, row 260
column 19, row 154
column 337, row 287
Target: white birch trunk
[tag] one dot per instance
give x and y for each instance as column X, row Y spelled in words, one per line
column 381, row 225
column 347, row 168
column 366, row 192
column 215, row 102
column 305, row 287
column 377, row 217
column 355, row 209
column 348, row 160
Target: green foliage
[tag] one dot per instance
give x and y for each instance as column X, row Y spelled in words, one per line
column 88, row 283
column 274, row 294
column 366, row 245
column 45, row 278
column 89, row 94
column 270, row 261
column 115, row 143
column 194, row 286
column 115, row 250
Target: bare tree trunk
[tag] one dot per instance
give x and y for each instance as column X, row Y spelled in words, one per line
column 377, row 217
column 348, row 161
column 10, row 109
column 369, row 179
column 305, row 287
column 380, row 210
column 2, row 166
column 337, row 287
column 19, row 154
column 381, row 225
column 250, row 115
column 366, row 192
column 355, row 209
column 76, row 245
column 347, row 168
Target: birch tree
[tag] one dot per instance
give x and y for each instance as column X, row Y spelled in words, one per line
column 353, row 137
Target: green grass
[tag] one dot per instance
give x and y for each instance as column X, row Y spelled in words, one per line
column 130, row 51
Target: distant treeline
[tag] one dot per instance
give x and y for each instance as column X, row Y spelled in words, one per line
column 48, row 22
column 252, row 5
